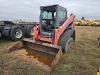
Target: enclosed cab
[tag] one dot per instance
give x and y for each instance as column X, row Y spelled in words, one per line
column 52, row 17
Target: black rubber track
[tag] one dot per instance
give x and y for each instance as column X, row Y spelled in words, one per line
column 65, row 36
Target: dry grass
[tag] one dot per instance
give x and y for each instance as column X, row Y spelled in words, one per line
column 82, row 59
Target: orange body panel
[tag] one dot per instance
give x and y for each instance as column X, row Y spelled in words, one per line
column 61, row 29
column 58, row 32
column 38, row 37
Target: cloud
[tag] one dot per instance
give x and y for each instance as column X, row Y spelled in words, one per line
column 29, row 10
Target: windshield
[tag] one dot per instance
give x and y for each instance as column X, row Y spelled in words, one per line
column 47, row 15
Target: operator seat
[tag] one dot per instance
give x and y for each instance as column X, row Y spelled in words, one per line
column 47, row 28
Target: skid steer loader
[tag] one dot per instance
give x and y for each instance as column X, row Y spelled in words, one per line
column 55, row 34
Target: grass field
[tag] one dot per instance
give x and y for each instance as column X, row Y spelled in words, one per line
column 82, row 59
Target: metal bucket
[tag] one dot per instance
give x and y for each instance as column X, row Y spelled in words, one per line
column 43, row 55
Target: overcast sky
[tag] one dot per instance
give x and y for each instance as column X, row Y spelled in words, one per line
column 29, row 9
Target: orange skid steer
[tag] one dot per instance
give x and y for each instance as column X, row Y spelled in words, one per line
column 55, row 34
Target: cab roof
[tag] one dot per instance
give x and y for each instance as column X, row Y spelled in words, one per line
column 52, row 7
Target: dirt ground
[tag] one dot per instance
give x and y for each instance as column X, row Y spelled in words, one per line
column 82, row 59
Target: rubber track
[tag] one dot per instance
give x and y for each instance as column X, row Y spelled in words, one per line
column 64, row 37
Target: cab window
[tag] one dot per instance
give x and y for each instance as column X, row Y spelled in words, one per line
column 62, row 14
